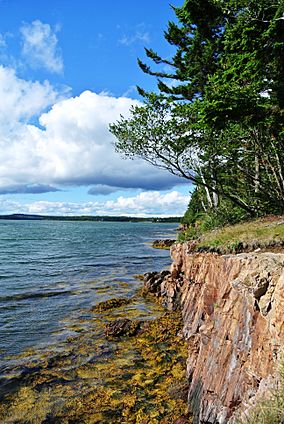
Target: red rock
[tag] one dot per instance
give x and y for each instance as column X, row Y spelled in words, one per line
column 232, row 307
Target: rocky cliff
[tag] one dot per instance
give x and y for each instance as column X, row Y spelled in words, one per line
column 232, row 309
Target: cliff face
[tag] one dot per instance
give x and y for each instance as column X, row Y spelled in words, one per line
column 232, row 308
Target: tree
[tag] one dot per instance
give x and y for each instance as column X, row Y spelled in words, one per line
column 197, row 41
column 246, row 94
column 198, row 47
column 220, row 124
column 159, row 132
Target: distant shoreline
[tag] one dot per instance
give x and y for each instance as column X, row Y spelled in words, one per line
column 25, row 217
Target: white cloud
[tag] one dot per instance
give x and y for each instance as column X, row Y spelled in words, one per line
column 9, row 206
column 40, row 47
column 144, row 204
column 172, row 203
column 72, row 147
column 21, row 100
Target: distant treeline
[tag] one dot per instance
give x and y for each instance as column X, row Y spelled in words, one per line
column 88, row 218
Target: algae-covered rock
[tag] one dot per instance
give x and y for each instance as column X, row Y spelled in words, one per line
column 93, row 379
column 163, row 244
column 122, row 327
column 110, row 304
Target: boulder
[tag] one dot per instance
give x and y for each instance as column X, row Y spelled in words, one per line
column 122, row 327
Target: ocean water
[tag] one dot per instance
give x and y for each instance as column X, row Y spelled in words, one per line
column 50, row 270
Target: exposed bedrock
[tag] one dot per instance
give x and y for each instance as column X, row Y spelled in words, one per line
column 232, row 308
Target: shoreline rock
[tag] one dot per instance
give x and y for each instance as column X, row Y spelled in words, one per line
column 153, row 282
column 163, row 244
column 164, row 285
column 232, row 309
column 109, row 304
column 122, row 327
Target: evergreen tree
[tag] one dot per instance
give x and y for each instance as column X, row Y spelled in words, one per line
column 198, row 44
column 220, row 124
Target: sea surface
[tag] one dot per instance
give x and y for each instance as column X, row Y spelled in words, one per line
column 51, row 271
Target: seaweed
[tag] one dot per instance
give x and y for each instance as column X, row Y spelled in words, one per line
column 137, row 379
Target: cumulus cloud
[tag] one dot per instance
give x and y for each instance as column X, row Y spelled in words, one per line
column 72, row 146
column 40, row 47
column 21, row 100
column 143, row 204
column 8, row 206
column 172, row 203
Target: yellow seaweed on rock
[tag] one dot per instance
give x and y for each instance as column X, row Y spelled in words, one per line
column 139, row 379
column 28, row 406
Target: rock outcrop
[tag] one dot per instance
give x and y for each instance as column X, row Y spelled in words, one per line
column 232, row 308
column 122, row 327
column 153, row 282
column 163, row 243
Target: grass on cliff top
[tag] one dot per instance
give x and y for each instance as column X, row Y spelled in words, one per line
column 264, row 233
column 270, row 410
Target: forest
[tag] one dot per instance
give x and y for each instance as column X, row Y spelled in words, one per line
column 216, row 117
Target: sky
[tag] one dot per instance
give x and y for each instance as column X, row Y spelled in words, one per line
column 68, row 69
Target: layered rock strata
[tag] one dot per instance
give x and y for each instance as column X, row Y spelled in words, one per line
column 232, row 308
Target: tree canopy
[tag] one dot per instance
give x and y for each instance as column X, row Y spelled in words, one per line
column 217, row 116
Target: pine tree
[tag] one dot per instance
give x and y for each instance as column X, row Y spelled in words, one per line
column 197, row 39
column 217, row 119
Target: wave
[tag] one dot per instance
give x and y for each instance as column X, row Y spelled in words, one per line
column 34, row 295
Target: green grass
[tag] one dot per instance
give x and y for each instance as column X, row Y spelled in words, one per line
column 271, row 409
column 262, row 233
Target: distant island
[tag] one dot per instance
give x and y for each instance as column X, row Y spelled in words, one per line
column 22, row 216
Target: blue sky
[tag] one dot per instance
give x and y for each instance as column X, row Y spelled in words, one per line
column 67, row 69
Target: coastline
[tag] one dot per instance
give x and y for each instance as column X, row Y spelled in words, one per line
column 90, row 372
column 124, row 378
